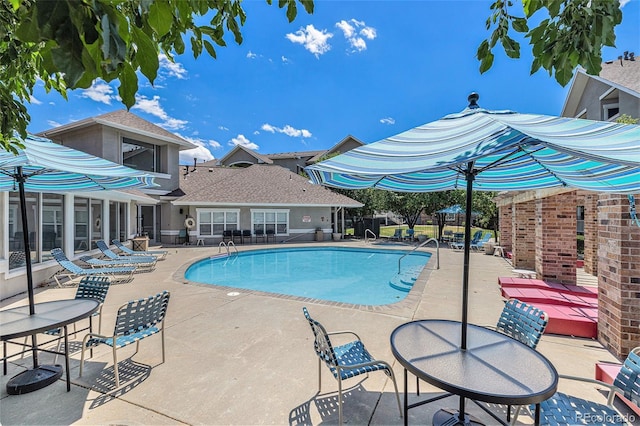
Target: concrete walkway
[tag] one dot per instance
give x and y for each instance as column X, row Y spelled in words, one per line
column 247, row 358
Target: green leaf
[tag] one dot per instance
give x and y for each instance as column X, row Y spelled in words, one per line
column 146, row 54
column 520, row 25
column 535, row 66
column 209, row 48
column 564, row 75
column 160, row 17
column 486, row 62
column 292, row 11
column 128, row 86
column 511, row 47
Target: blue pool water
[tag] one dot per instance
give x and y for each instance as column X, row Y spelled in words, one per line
column 360, row 276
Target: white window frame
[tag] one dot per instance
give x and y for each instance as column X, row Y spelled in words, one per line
column 274, row 211
column 226, row 224
column 605, row 111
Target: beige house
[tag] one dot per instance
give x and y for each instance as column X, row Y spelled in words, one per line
column 259, row 199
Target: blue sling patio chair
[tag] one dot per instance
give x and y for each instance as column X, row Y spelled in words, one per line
column 345, row 361
column 74, row 273
column 135, row 321
column 110, row 254
column 562, row 408
column 397, row 235
column 159, row 254
column 109, row 263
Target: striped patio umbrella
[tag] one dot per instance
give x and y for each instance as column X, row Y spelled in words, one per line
column 44, row 166
column 492, row 151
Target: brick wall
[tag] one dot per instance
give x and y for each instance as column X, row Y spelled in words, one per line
column 555, row 244
column 505, row 216
column 618, row 275
column 524, row 235
column 590, row 203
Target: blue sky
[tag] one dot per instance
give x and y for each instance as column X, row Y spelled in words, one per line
column 369, row 69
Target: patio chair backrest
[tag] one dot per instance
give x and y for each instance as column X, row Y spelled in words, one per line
column 523, row 322
column 322, row 344
column 476, row 237
column 141, row 314
column 104, row 248
column 628, row 379
column 93, row 287
column 62, row 259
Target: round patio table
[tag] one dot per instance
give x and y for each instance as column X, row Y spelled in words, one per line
column 494, row 368
column 16, row 322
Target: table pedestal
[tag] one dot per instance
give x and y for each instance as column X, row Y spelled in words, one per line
column 34, row 379
column 450, row 417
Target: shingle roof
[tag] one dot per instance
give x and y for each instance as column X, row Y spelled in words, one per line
column 623, row 73
column 124, row 119
column 258, row 184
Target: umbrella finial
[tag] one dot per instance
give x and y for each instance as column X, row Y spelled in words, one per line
column 473, row 100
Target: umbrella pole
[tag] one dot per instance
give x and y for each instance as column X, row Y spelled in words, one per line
column 27, row 254
column 470, row 176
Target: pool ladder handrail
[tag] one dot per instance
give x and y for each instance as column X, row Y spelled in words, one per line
column 420, row 245
column 226, row 246
column 366, row 235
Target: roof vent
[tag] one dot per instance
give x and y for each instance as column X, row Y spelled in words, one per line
column 473, row 100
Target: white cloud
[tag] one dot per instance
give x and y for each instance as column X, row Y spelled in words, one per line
column 623, row 3
column 251, row 55
column 355, row 32
column 287, row 130
column 285, row 59
column 314, row 40
column 99, row 92
column 387, row 120
column 34, row 101
column 256, row 132
column 222, row 128
column 242, row 140
column 171, row 69
column 53, row 123
column 153, row 107
column 202, row 152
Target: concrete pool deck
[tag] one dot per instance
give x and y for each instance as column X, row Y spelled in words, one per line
column 248, row 358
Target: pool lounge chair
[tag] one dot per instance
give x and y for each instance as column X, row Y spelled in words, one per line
column 74, row 273
column 397, row 235
column 159, row 254
column 104, row 263
column 110, row 254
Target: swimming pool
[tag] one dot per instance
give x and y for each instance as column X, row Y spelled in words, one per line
column 350, row 275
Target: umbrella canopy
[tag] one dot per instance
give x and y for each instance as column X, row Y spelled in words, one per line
column 502, row 150
column 455, row 209
column 492, row 151
column 50, row 167
column 43, row 166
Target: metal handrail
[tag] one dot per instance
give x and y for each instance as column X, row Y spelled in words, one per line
column 369, row 231
column 421, row 245
column 227, row 246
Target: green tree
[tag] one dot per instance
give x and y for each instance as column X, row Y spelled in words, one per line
column 70, row 43
column 627, row 119
column 573, row 33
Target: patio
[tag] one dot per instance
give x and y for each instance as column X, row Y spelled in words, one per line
column 249, row 359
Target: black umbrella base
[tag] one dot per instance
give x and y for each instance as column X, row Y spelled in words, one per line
column 32, row 380
column 449, row 417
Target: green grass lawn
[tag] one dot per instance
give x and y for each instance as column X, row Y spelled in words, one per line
column 428, row 230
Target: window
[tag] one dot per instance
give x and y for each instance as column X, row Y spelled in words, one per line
column 16, row 234
column 52, row 223
column 213, row 222
column 96, row 222
column 141, row 155
column 117, row 222
column 270, row 220
column 610, row 111
column 81, row 222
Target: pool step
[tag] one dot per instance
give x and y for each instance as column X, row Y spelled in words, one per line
column 404, row 280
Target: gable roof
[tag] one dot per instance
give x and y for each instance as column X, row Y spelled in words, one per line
column 256, row 185
column 336, row 148
column 261, row 158
column 127, row 121
column 623, row 75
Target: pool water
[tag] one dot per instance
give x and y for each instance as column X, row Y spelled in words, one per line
column 359, row 276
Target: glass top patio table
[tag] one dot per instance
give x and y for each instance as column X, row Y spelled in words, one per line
column 494, row 368
column 16, row 322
